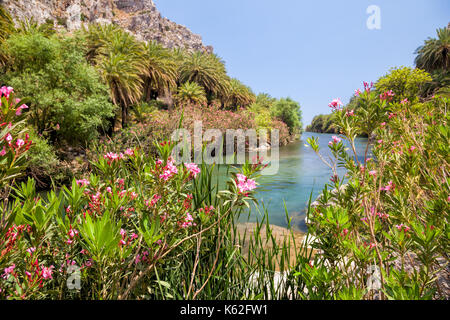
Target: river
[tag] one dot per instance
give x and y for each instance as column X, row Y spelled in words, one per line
column 300, row 173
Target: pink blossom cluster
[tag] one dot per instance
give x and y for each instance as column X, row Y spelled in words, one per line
column 126, row 240
column 83, row 182
column 388, row 95
column 207, row 210
column 20, row 108
column 335, row 104
column 153, row 201
column 193, row 169
column 19, row 146
column 335, row 140
column 111, row 157
column 188, row 221
column 403, row 227
column 7, row 271
column 390, row 187
column 245, row 184
column 367, row 86
column 72, row 233
column 169, row 170
column 6, row 91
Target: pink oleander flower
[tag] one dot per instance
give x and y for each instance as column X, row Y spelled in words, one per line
column 153, row 201
column 373, row 173
column 357, row 92
column 402, row 226
column 8, row 137
column 8, row 271
column 20, row 143
column 193, row 169
column 123, row 233
column 387, row 95
column 3, row 152
column 383, row 124
column 350, row 113
column 6, row 91
column 390, row 186
column 31, row 250
column 111, row 156
column 19, row 109
column 367, row 87
column 89, row 263
column 336, row 140
column 412, row 148
column 335, row 104
column 83, row 182
column 188, row 221
column 245, row 184
column 129, row 152
column 404, row 101
column 108, row 189
column 72, row 233
column 380, row 141
column 47, row 272
column 169, row 170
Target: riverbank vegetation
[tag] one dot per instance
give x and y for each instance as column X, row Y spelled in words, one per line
column 124, row 221
column 100, row 82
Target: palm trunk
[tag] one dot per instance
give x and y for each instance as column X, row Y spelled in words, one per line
column 124, row 116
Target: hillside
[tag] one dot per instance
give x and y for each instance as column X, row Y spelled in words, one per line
column 141, row 17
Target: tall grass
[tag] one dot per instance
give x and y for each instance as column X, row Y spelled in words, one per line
column 226, row 263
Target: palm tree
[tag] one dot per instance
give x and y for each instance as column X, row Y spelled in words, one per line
column 191, row 93
column 31, row 26
column 97, row 36
column 435, row 53
column 122, row 65
column 161, row 75
column 207, row 70
column 239, row 95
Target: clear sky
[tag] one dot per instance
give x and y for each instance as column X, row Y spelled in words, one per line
column 312, row 51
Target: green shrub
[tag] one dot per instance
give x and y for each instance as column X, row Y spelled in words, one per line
column 68, row 100
column 406, row 83
column 289, row 112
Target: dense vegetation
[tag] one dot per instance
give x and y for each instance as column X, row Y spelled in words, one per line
column 132, row 224
column 100, row 81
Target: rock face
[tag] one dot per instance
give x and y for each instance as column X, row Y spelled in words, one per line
column 141, row 17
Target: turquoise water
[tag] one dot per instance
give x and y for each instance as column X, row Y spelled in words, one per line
column 300, row 173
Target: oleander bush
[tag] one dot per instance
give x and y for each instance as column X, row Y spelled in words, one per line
column 384, row 227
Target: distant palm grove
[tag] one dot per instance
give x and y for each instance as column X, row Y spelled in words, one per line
column 88, row 84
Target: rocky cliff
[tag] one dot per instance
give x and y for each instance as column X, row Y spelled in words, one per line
column 140, row 17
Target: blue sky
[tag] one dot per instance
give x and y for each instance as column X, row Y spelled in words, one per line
column 311, row 51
